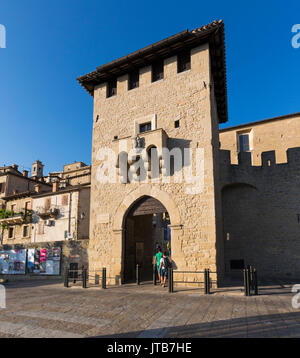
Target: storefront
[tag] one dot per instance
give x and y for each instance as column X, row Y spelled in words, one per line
column 36, row 261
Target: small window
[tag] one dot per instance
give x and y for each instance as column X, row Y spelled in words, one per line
column 111, row 88
column 157, row 71
column 25, row 231
column 13, row 208
column 47, row 203
column 10, row 232
column 244, row 143
column 2, row 187
column 176, row 124
column 145, row 127
column 133, row 81
column 27, row 205
column 40, row 229
column 64, row 200
column 237, row 264
column 184, row 61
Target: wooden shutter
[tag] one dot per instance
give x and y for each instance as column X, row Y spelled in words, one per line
column 47, row 203
column 64, row 200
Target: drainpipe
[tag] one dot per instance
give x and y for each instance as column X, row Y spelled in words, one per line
column 70, row 212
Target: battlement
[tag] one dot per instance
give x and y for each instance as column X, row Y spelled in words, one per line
column 263, row 175
column 268, row 159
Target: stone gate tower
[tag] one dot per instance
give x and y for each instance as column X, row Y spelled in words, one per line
column 171, row 95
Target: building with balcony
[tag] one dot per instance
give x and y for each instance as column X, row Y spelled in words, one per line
column 16, row 219
column 45, row 229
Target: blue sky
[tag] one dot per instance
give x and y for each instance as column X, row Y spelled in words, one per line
column 46, row 115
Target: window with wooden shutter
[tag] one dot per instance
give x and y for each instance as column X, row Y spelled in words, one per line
column 40, row 228
column 64, row 200
column 2, row 187
column 47, row 203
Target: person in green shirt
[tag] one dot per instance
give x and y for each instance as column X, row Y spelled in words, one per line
column 157, row 259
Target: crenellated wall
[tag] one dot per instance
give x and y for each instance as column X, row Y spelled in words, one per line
column 261, row 213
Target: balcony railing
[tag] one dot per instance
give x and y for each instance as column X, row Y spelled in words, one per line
column 44, row 213
column 12, row 218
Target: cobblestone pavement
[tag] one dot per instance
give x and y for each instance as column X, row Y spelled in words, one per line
column 47, row 309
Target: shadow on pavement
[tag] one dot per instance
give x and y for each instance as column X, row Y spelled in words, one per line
column 265, row 326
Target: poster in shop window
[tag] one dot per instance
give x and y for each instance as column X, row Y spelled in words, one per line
column 44, row 261
column 13, row 262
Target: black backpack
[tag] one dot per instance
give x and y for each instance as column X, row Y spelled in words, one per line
column 167, row 263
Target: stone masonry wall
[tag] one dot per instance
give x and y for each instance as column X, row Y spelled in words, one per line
column 278, row 134
column 261, row 213
column 182, row 96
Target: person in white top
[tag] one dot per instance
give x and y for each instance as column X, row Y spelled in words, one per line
column 163, row 268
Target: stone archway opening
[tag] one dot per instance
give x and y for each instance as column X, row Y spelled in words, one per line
column 146, row 227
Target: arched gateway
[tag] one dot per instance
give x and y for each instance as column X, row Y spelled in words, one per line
column 144, row 220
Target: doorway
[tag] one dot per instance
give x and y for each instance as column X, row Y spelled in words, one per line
column 146, row 228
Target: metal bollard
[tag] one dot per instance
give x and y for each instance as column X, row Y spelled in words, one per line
column 247, row 283
column 138, row 275
column 170, row 280
column 66, row 278
column 208, row 281
column 84, row 277
column 251, row 273
column 104, row 277
column 205, row 282
column 154, row 275
column 255, row 282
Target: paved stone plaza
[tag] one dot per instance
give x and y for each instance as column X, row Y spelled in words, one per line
column 47, row 309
